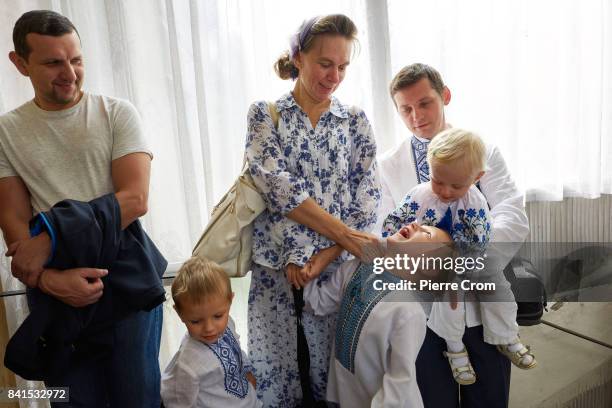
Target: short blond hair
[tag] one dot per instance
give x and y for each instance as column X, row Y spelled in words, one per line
column 453, row 145
column 198, row 279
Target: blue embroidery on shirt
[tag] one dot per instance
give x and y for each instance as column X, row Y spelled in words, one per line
column 404, row 214
column 472, row 230
column 229, row 354
column 466, row 220
column 446, row 223
column 419, row 153
column 359, row 299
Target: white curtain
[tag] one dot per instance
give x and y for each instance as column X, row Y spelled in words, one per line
column 532, row 77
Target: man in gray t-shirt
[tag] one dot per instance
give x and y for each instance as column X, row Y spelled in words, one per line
column 68, row 144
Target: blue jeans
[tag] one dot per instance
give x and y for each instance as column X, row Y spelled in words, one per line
column 129, row 378
column 439, row 389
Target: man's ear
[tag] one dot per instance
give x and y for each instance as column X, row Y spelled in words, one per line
column 19, row 63
column 446, row 95
column 478, row 176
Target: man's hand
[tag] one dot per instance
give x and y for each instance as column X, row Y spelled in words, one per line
column 76, row 287
column 29, row 257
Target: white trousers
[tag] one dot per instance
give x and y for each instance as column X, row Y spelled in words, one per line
column 497, row 309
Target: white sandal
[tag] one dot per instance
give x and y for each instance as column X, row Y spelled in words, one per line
column 518, row 357
column 457, row 371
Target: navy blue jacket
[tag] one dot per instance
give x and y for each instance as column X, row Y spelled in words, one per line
column 86, row 235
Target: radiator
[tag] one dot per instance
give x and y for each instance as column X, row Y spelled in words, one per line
column 571, row 220
column 593, row 390
column 574, row 220
column 596, row 397
column 559, row 228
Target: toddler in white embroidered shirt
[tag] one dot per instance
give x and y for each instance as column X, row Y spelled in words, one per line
column 209, row 369
column 451, row 201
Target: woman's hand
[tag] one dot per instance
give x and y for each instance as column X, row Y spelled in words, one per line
column 300, row 276
column 363, row 245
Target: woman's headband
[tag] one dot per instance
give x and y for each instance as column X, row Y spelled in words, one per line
column 296, row 42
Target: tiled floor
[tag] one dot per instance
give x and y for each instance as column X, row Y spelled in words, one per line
column 567, row 365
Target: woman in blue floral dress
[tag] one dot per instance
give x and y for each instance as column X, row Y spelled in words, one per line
column 316, row 170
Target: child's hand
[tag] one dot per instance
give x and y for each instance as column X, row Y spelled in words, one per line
column 251, row 378
column 306, row 272
column 295, row 276
column 319, row 261
column 453, row 299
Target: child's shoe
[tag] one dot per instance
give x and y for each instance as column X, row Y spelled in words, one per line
column 519, row 354
column 464, row 374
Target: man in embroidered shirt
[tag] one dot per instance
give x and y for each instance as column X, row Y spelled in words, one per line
column 419, row 94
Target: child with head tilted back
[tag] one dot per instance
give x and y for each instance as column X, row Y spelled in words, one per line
column 209, row 369
column 451, row 201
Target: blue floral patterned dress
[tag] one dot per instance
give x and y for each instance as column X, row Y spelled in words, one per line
column 334, row 164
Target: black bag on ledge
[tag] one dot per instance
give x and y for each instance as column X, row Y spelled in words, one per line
column 528, row 289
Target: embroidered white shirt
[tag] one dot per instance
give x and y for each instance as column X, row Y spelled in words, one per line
column 201, row 375
column 384, row 372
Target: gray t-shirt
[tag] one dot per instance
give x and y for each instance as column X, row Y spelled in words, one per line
column 68, row 153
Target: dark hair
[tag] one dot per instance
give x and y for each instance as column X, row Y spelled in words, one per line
column 334, row 24
column 413, row 73
column 44, row 22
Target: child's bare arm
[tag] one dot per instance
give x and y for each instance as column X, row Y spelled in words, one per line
column 251, row 378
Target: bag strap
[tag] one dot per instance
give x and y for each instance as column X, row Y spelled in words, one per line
column 274, row 115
